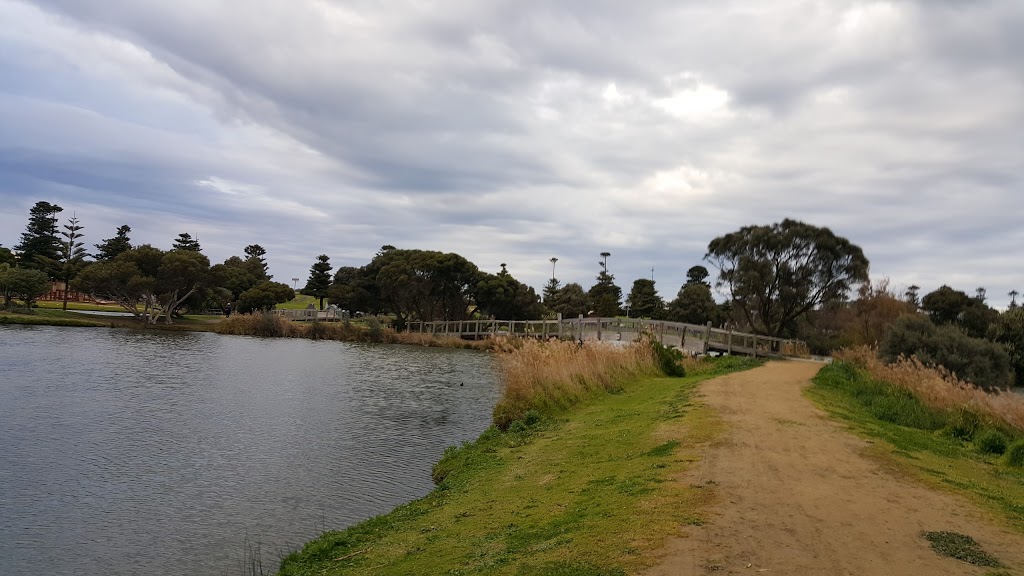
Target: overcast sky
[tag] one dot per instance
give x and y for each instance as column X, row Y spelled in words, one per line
column 517, row 131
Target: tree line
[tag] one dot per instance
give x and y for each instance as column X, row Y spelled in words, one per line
column 149, row 282
column 788, row 279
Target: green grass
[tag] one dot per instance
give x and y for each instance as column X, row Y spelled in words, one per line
column 961, row 547
column 300, row 303
column 54, row 316
column 45, row 317
column 89, row 306
column 920, row 442
column 593, row 492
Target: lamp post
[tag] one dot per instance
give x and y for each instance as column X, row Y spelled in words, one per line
column 604, row 262
column 553, row 261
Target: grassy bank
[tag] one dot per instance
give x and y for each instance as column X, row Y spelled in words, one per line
column 923, row 433
column 590, row 490
column 46, row 316
column 50, row 318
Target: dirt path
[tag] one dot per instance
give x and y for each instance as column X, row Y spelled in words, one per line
column 796, row 495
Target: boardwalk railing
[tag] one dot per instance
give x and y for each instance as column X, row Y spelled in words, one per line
column 693, row 338
column 329, row 315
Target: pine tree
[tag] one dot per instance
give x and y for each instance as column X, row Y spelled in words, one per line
column 186, row 243
column 605, row 296
column 551, row 290
column 40, row 245
column 111, row 247
column 644, row 301
column 319, row 279
column 255, row 253
column 72, row 254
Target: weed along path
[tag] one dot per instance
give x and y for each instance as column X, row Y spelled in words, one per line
column 797, row 494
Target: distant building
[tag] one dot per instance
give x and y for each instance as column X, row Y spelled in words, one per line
column 56, row 293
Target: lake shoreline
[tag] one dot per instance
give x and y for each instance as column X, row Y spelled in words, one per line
column 580, row 479
column 266, row 326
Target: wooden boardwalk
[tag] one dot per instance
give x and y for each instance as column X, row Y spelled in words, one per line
column 692, row 338
column 311, row 315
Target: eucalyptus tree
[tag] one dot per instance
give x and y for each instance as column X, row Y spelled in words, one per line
column 775, row 274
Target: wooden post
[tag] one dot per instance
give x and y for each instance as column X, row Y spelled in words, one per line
column 707, row 336
column 560, row 326
column 730, row 341
column 755, row 345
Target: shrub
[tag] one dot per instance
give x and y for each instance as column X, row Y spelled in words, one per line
column 975, row 360
column 902, row 408
column 669, row 360
column 939, row 389
column 991, row 441
column 317, row 330
column 964, row 424
column 1008, row 330
column 1015, row 455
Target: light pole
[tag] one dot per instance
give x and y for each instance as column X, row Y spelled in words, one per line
column 553, row 262
column 604, row 262
column 295, row 283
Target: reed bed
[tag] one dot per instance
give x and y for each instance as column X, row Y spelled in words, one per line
column 441, row 341
column 274, row 326
column 939, row 388
column 547, row 377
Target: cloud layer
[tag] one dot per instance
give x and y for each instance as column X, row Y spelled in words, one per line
column 517, row 131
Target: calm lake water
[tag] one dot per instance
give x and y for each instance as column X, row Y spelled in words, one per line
column 139, row 453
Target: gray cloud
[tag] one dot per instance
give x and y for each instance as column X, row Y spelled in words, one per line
column 516, row 131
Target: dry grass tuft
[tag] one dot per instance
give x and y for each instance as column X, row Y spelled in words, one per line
column 550, row 376
column 796, row 349
column 939, row 388
column 440, row 341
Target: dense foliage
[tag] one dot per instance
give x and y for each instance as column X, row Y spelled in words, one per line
column 775, row 274
column 40, row 243
column 979, row 361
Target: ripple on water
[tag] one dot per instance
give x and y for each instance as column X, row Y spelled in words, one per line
column 135, row 453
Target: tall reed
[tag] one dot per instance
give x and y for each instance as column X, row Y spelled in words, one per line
column 550, row 376
column 939, row 388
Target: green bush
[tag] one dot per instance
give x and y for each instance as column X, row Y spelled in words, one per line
column 531, row 417
column 669, row 360
column 991, row 441
column 1008, row 330
column 1014, row 455
column 964, row 425
column 979, row 361
column 883, row 401
column 901, row 407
